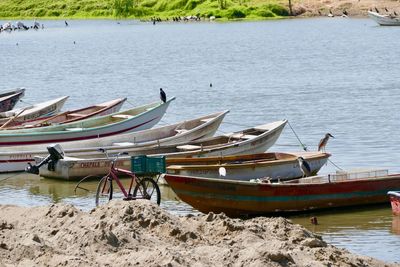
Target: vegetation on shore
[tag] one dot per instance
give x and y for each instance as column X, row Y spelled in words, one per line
column 143, row 9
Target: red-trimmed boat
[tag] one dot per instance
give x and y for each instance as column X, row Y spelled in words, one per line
column 240, row 198
column 10, row 98
column 395, row 201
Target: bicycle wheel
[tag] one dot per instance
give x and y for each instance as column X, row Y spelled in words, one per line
column 147, row 188
column 104, row 191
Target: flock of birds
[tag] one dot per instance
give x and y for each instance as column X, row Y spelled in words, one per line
column 8, row 26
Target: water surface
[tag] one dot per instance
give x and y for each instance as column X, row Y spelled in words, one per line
column 324, row 75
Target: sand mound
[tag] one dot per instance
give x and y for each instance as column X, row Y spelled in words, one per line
column 139, row 233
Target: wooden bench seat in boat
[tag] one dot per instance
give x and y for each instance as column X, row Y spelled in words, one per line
column 122, row 116
column 188, row 147
column 242, row 136
column 77, row 115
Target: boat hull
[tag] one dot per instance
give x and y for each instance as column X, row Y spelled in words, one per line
column 237, row 198
column 246, row 169
column 9, row 99
column 74, row 168
column 384, row 20
column 202, row 127
column 82, row 130
column 395, row 202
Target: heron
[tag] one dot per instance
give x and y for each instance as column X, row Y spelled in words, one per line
column 324, row 141
column 163, row 95
column 66, row 23
column 304, row 167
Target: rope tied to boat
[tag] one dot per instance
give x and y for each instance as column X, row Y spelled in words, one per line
column 298, row 138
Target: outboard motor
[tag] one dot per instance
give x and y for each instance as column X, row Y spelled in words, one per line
column 55, row 154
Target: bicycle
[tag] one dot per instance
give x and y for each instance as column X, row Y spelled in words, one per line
column 145, row 187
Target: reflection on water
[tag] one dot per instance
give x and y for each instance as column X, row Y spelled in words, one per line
column 371, row 231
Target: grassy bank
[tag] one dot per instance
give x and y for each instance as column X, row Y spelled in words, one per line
column 142, row 9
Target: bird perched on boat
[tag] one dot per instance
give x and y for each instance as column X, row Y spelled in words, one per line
column 304, row 167
column 324, row 141
column 163, row 95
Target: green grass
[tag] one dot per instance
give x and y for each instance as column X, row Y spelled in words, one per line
column 221, row 9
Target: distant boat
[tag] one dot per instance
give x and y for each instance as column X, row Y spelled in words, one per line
column 384, row 20
column 70, row 116
column 248, row 141
column 10, row 98
column 272, row 166
column 180, row 132
column 134, row 119
column 242, row 198
column 395, row 201
column 44, row 109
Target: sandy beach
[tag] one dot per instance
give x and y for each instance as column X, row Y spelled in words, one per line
column 142, row 234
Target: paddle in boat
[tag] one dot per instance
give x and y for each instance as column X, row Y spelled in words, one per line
column 44, row 109
column 177, row 133
column 272, row 166
column 252, row 140
column 395, row 201
column 70, row 116
column 134, row 119
column 242, row 198
column 384, row 20
column 10, row 98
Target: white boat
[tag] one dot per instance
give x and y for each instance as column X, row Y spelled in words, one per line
column 135, row 119
column 70, row 116
column 271, row 166
column 253, row 140
column 10, row 98
column 384, row 20
column 43, row 109
column 12, row 159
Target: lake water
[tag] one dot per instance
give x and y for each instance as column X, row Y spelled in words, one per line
column 324, row 75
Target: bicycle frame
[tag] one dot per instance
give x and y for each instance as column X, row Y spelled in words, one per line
column 114, row 172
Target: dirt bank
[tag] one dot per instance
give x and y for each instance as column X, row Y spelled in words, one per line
column 138, row 233
column 354, row 8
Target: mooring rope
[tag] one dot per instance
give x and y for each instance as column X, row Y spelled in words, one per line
column 335, row 165
column 301, row 143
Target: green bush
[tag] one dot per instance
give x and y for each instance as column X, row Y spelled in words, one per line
column 192, row 4
column 148, row 3
column 53, row 13
column 265, row 13
column 277, row 9
column 41, row 12
column 235, row 13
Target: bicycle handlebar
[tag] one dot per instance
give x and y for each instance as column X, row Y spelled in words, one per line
column 104, row 151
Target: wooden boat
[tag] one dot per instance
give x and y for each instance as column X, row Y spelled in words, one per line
column 239, row 198
column 253, row 140
column 70, row 116
column 272, row 166
column 134, row 119
column 181, row 132
column 10, row 98
column 44, row 109
column 384, row 20
column 395, row 201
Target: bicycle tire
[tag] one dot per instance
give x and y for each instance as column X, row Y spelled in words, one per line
column 148, row 189
column 104, row 192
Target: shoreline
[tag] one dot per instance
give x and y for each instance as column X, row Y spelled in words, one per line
column 138, row 231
